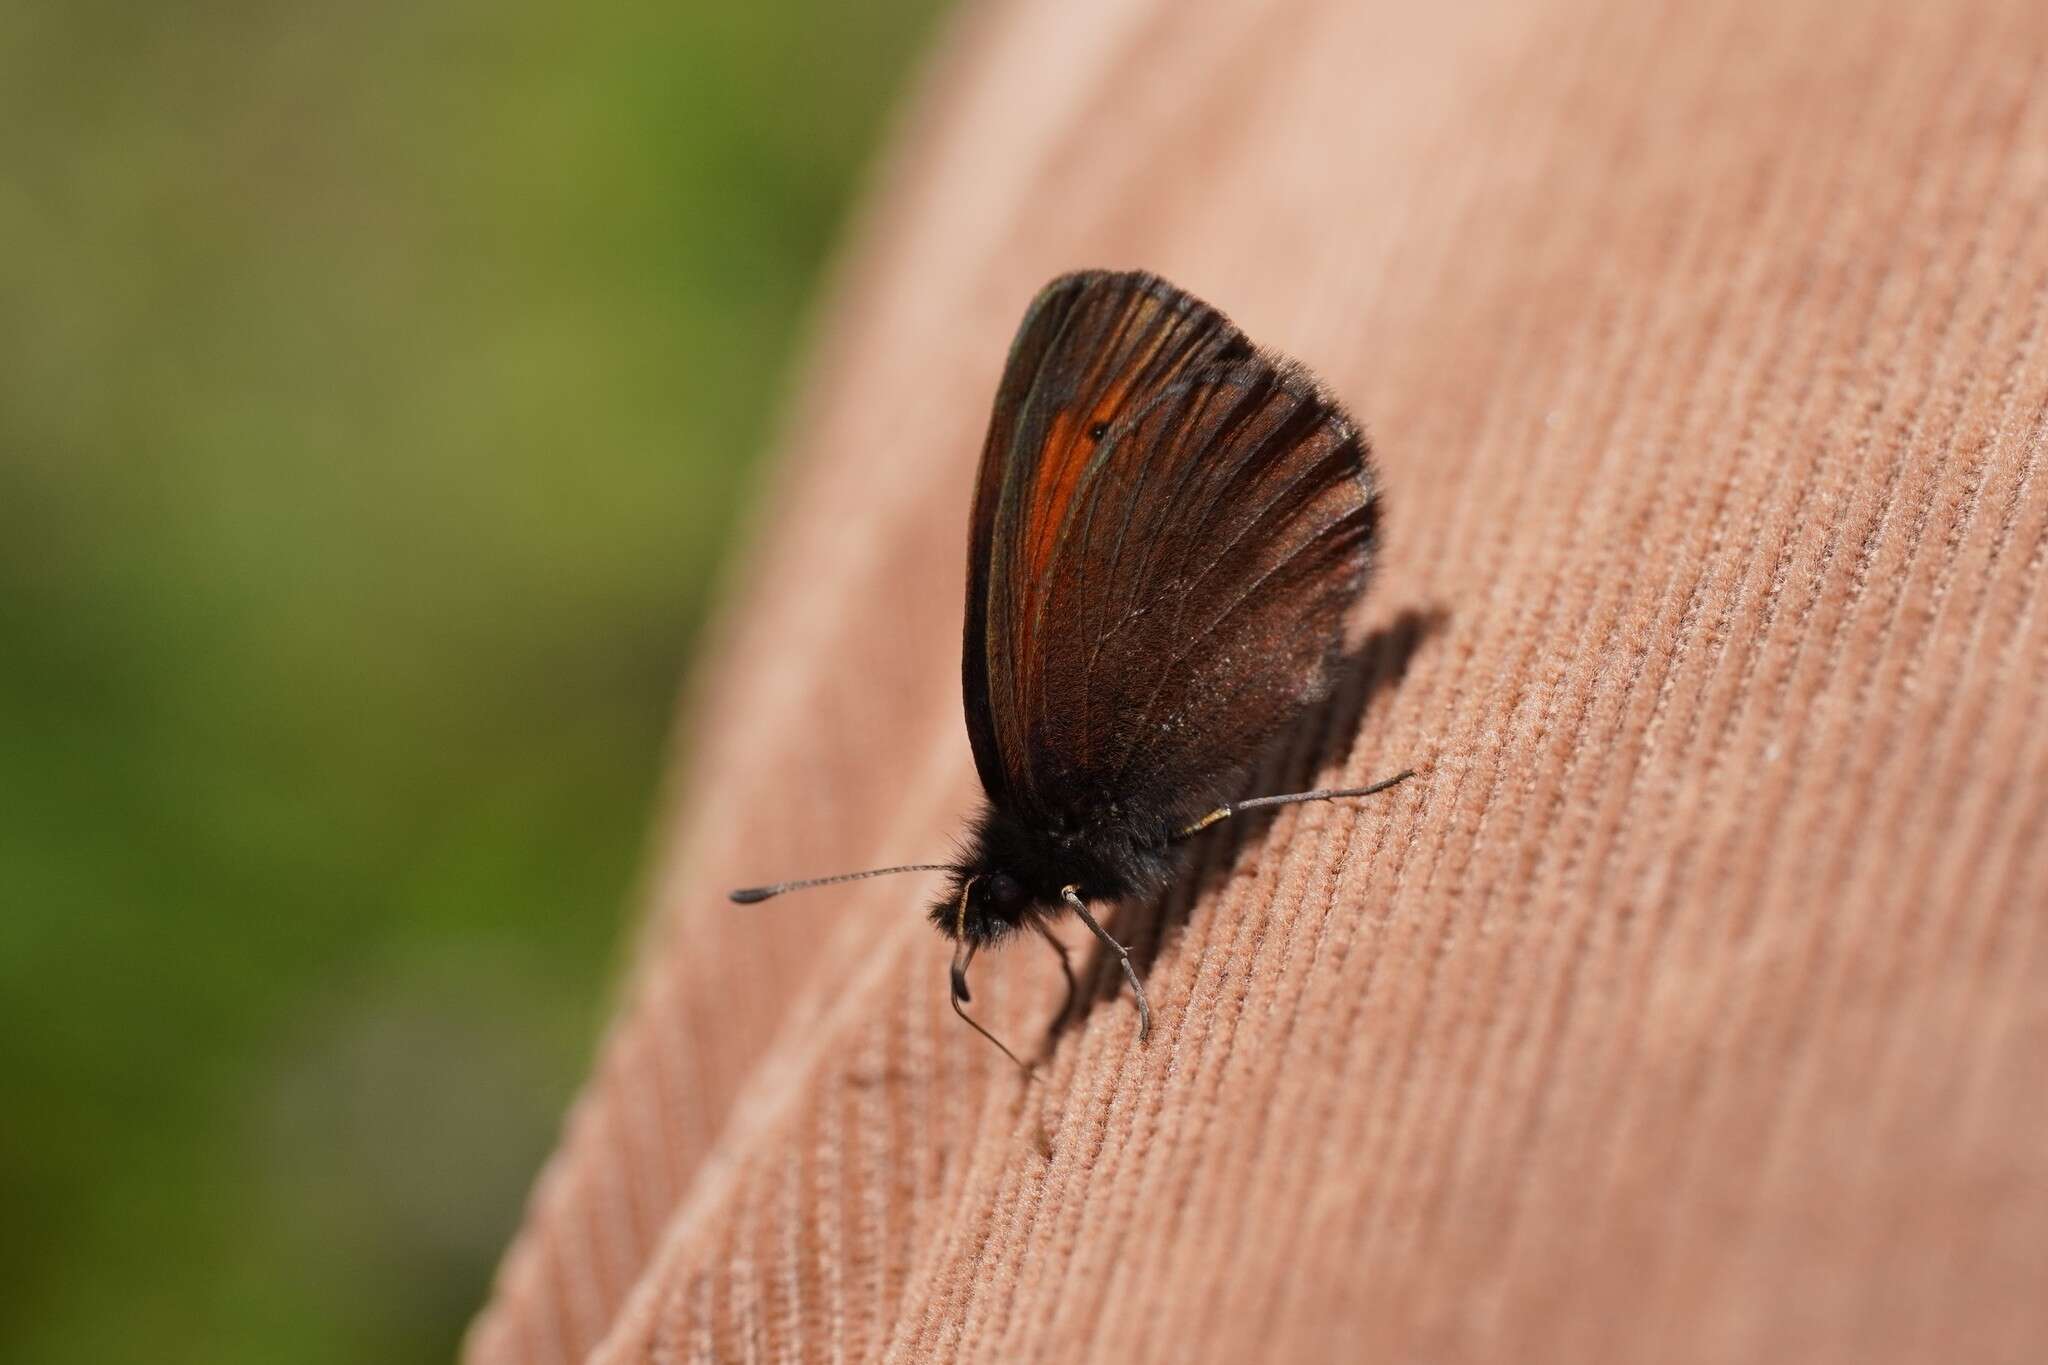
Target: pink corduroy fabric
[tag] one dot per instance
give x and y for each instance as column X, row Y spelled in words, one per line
column 1692, row 1003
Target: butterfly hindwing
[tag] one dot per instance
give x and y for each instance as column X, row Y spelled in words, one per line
column 1167, row 532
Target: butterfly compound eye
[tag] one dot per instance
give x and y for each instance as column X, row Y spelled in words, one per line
column 1098, row 430
column 1004, row 892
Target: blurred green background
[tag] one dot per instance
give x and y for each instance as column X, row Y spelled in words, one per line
column 377, row 386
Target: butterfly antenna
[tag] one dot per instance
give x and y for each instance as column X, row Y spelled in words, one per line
column 753, row 895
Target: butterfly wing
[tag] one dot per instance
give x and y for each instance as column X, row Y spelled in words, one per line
column 1094, row 349
column 1168, row 531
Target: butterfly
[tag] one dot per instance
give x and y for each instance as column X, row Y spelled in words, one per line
column 1169, row 529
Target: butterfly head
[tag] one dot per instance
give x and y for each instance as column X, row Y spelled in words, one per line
column 981, row 905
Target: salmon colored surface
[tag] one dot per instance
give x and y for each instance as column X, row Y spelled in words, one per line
column 1690, row 1005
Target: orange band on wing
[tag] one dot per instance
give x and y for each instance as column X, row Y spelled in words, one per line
column 1067, row 452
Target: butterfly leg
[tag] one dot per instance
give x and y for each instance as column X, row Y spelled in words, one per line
column 1230, row 808
column 1072, row 897
column 962, row 956
column 1066, row 970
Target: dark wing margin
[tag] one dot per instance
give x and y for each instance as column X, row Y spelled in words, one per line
column 1095, row 349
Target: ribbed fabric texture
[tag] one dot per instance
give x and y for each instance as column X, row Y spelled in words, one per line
column 1692, row 1003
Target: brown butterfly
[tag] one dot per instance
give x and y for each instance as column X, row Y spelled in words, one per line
column 1168, row 530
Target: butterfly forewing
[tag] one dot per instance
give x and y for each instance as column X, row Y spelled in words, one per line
column 1093, row 349
column 1199, row 553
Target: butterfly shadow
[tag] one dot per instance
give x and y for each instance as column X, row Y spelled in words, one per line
column 1376, row 664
